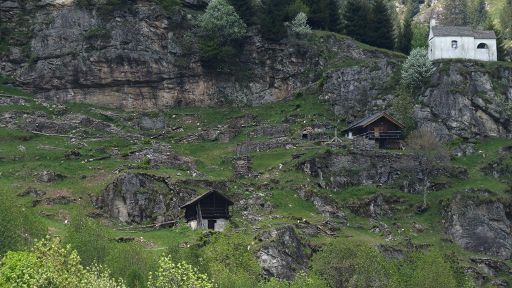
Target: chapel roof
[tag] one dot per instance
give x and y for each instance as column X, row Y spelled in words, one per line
column 462, row 31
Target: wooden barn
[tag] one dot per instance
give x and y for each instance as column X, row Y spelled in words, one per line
column 381, row 127
column 208, row 211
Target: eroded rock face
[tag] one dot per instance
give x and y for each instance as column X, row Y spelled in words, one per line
column 163, row 156
column 137, row 198
column 139, row 58
column 479, row 225
column 283, row 254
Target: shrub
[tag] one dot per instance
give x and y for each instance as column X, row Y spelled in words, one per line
column 168, row 6
column 355, row 265
column 19, row 226
column 221, row 21
column 181, row 275
column 227, row 255
column 49, row 264
column 88, row 238
column 416, row 70
column 300, row 24
column 132, row 263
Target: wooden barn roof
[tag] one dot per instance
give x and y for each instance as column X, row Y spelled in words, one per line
column 199, row 198
column 372, row 118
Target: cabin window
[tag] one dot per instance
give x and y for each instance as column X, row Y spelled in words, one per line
column 482, row 46
column 455, row 44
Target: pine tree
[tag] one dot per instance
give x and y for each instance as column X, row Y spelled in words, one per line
column 274, row 14
column 381, row 27
column 455, row 13
column 318, row 14
column 334, row 16
column 245, row 10
column 405, row 38
column 355, row 20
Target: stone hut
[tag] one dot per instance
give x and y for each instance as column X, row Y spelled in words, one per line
column 208, row 211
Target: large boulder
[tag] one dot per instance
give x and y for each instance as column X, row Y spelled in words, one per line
column 282, row 253
column 139, row 197
column 479, row 224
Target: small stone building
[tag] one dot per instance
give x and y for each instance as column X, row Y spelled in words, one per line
column 208, row 211
column 460, row 42
column 381, row 127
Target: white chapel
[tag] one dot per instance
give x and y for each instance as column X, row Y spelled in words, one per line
column 460, row 42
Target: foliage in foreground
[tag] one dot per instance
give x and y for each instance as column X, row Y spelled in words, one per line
column 181, row 275
column 18, row 226
column 49, row 264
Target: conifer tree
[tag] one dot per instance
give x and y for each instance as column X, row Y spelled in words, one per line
column 455, row 13
column 381, row 27
column 318, row 14
column 244, row 9
column 334, row 16
column 405, row 37
column 274, row 14
column 355, row 20
column 477, row 13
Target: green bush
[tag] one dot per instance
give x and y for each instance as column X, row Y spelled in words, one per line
column 88, row 238
column 181, row 275
column 49, row 264
column 426, row 270
column 19, row 226
column 230, row 261
column 355, row 265
column 131, row 262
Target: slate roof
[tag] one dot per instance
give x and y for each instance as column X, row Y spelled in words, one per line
column 198, row 198
column 372, row 118
column 462, row 31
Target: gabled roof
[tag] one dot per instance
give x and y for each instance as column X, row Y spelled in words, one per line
column 461, row 31
column 372, row 118
column 199, row 198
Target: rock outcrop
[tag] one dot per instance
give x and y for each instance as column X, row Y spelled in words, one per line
column 479, row 225
column 138, row 198
column 282, row 254
column 338, row 171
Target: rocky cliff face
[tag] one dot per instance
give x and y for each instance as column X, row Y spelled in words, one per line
column 479, row 225
column 139, row 58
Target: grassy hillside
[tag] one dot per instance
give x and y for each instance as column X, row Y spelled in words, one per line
column 24, row 154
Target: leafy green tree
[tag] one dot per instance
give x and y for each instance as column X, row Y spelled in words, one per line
column 181, row 275
column 355, row 265
column 274, row 14
column 381, row 26
column 300, row 24
column 355, row 20
column 220, row 30
column 416, row 70
column 403, row 109
column 222, row 22
column 244, row 9
column 49, row 264
column 19, row 227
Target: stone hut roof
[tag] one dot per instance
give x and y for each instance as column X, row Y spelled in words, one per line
column 199, row 198
column 462, row 31
column 372, row 118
